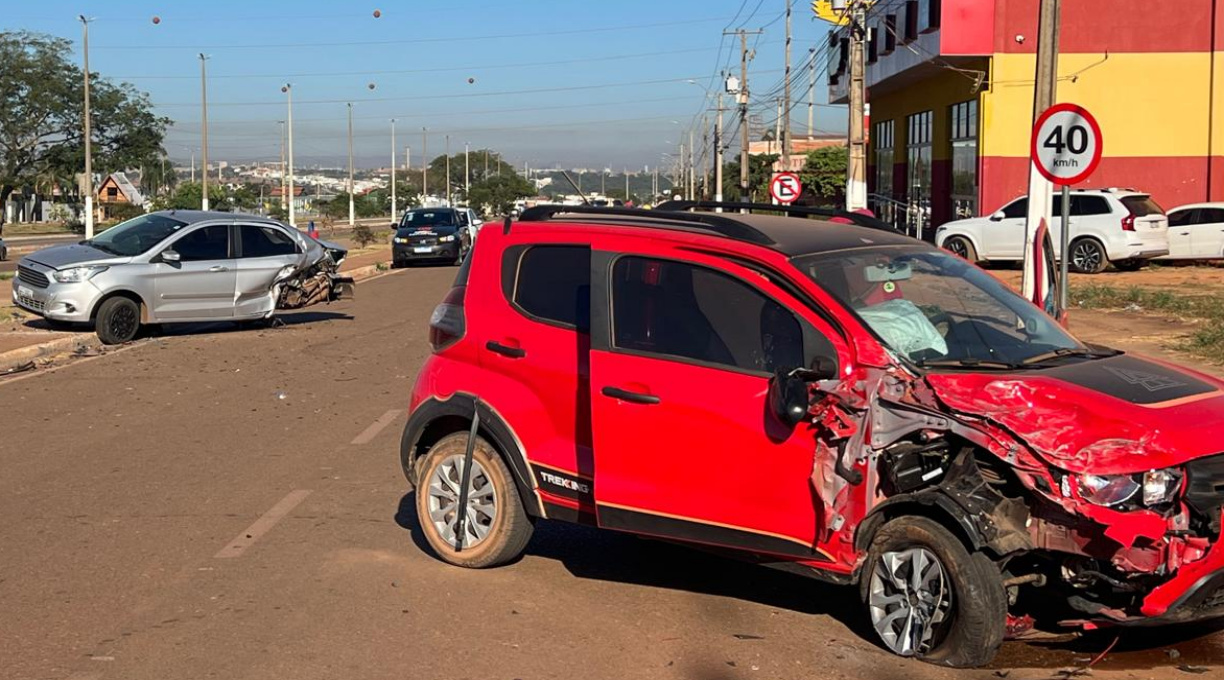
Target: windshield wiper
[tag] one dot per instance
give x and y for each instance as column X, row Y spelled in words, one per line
column 967, row 362
column 1071, row 352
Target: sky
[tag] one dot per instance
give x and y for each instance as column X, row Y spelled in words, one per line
column 568, row 83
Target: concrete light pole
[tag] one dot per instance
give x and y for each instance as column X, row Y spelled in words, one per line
column 352, row 205
column 467, row 173
column 448, row 175
column 424, row 164
column 204, row 121
column 288, row 90
column 284, row 175
column 89, row 215
column 394, row 211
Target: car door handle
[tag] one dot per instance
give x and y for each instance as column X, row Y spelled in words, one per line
column 218, row 268
column 626, row 395
column 505, row 350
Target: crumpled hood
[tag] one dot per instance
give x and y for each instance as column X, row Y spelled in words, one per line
column 1117, row 415
column 72, row 254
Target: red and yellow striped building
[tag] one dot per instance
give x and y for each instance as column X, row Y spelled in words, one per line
column 950, row 84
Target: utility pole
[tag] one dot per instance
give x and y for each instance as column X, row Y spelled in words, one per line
column 352, row 203
column 448, row 176
column 705, row 168
column 467, row 172
column 856, row 180
column 288, row 90
column 394, row 207
column 777, row 126
column 486, row 159
column 424, row 164
column 204, row 121
column 743, row 107
column 284, row 175
column 692, row 168
column 811, row 91
column 626, row 171
column 786, row 141
column 1040, row 190
column 718, row 156
column 89, row 216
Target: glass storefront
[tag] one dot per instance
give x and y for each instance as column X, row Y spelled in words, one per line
column 964, row 136
column 918, row 158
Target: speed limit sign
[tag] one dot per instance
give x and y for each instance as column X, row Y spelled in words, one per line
column 1066, row 144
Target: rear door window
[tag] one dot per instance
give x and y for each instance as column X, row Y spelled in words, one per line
column 1088, row 205
column 1141, row 206
column 261, row 241
column 205, row 243
column 1183, row 218
column 552, row 284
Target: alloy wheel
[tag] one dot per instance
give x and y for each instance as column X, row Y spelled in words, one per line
column 443, row 492
column 910, row 600
column 957, row 247
column 1086, row 256
column 123, row 321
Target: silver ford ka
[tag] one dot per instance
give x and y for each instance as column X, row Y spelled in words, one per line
column 180, row 266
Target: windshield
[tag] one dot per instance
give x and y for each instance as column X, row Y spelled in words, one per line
column 930, row 306
column 137, row 235
column 414, row 219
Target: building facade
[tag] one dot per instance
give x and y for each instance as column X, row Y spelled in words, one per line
column 951, row 85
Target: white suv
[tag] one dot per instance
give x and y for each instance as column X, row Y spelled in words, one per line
column 1116, row 226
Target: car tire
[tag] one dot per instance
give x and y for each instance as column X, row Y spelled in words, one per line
column 499, row 529
column 959, row 245
column 118, row 321
column 3, row 254
column 971, row 601
column 1130, row 265
column 1088, row 256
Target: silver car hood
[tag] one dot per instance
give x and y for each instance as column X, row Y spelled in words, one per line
column 74, row 254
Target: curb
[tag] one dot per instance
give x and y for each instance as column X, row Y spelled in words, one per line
column 79, row 342
column 83, row 342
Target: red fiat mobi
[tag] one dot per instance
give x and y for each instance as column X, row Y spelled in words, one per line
column 839, row 399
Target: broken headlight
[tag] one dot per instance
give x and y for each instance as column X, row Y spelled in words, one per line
column 1155, row 487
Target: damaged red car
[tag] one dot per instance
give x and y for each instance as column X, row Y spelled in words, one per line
column 834, row 399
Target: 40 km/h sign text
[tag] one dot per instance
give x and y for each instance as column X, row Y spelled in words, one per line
column 1066, row 144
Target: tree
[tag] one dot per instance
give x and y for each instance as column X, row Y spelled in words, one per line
column 760, row 171
column 496, row 195
column 824, row 173
column 41, row 109
column 186, row 196
column 476, row 166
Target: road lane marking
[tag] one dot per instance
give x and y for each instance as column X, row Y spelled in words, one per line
column 378, row 426
column 263, row 525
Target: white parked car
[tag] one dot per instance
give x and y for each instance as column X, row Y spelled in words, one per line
column 470, row 221
column 1196, row 232
column 1118, row 226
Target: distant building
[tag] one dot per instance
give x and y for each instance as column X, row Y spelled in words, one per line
column 800, row 146
column 117, row 190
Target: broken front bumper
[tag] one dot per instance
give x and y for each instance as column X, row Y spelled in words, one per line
column 1194, row 593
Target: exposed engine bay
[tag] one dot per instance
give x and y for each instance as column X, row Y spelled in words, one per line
column 317, row 282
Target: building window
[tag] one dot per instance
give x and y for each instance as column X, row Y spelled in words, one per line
column 964, row 135
column 882, row 137
column 918, row 159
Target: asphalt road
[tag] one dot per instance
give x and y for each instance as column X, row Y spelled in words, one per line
column 223, row 504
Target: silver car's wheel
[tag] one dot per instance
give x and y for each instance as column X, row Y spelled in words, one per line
column 1088, row 257
column 444, row 501
column 910, row 599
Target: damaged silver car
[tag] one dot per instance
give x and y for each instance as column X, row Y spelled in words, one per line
column 180, row 266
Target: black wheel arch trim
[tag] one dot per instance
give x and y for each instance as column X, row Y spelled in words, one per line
column 492, row 427
column 931, row 504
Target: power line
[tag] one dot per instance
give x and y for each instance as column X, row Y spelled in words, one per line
column 411, row 41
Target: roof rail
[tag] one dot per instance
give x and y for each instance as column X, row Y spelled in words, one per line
column 721, row 225
column 789, row 210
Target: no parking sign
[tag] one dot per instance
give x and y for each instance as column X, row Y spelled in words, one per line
column 785, row 187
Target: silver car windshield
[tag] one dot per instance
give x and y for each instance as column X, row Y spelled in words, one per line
column 932, row 307
column 136, row 235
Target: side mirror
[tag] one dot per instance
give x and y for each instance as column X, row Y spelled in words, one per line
column 788, row 398
column 997, row 217
column 171, row 257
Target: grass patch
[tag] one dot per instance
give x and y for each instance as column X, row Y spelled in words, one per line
column 6, row 276
column 1207, row 341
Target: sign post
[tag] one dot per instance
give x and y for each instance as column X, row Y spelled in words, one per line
column 785, row 187
column 1066, row 148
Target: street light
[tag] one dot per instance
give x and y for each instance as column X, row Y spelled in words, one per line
column 89, row 216
column 204, row 121
column 352, row 205
column 448, row 176
column 467, row 174
column 424, row 164
column 287, row 88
